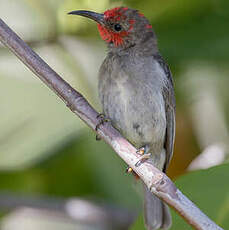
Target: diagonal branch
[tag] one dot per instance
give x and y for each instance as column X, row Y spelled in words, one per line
column 158, row 183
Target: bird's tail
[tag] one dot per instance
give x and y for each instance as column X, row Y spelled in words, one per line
column 156, row 213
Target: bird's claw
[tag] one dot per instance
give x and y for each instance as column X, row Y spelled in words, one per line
column 143, row 158
column 103, row 119
column 141, row 151
column 144, row 154
column 97, row 137
column 129, row 170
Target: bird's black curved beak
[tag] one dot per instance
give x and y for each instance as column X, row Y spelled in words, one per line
column 99, row 18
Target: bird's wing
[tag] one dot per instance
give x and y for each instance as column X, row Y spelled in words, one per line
column 170, row 105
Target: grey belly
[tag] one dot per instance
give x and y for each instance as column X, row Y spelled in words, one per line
column 138, row 114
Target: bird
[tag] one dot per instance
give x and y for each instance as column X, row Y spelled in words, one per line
column 136, row 91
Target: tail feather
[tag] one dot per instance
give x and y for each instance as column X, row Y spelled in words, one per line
column 156, row 213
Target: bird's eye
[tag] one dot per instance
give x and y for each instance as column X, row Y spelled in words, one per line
column 117, row 27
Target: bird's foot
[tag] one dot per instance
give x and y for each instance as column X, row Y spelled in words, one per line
column 97, row 137
column 129, row 170
column 144, row 154
column 103, row 119
column 143, row 150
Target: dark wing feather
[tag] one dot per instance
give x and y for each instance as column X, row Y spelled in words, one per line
column 170, row 106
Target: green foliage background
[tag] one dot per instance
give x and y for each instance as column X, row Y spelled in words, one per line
column 46, row 151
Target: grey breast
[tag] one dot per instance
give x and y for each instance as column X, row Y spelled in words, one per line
column 130, row 91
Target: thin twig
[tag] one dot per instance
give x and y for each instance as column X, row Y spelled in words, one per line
column 156, row 181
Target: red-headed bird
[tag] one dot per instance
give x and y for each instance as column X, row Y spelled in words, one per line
column 137, row 94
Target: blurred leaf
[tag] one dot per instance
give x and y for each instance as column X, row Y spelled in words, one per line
column 209, row 190
column 34, row 121
column 139, row 223
column 85, row 168
column 200, row 34
column 28, row 218
column 164, row 11
column 69, row 23
column 32, row 20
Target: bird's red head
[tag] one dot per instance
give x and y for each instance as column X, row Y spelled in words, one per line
column 120, row 26
column 113, row 31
